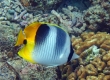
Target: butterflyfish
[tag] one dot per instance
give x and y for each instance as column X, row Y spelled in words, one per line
column 45, row 44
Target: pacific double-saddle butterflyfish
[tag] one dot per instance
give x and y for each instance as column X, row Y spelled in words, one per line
column 45, row 44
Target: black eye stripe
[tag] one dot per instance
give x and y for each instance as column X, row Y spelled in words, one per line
column 42, row 34
column 24, row 41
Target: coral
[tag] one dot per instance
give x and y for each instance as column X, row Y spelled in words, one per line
column 99, row 64
column 72, row 76
column 69, row 19
column 91, row 70
column 93, row 49
column 106, row 57
column 88, row 39
column 81, row 72
column 90, row 53
column 14, row 16
column 107, row 77
column 75, row 24
column 98, row 15
column 94, row 61
column 13, row 12
column 96, row 69
column 43, row 5
column 106, row 44
column 66, row 70
column 90, row 45
column 108, row 63
column 106, row 70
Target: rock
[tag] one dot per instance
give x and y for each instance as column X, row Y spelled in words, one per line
column 7, row 72
column 17, row 9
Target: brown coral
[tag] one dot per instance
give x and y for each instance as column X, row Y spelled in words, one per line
column 81, row 73
column 106, row 45
column 91, row 70
column 106, row 77
column 91, row 78
column 100, row 39
column 100, row 76
column 98, row 68
column 72, row 76
column 67, row 69
column 106, row 70
column 106, row 57
column 108, row 63
column 98, row 63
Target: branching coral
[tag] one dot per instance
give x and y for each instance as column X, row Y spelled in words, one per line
column 44, row 5
column 98, row 15
column 72, row 19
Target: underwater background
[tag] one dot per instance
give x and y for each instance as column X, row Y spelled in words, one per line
column 86, row 21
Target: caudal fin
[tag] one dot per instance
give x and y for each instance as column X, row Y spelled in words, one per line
column 75, row 56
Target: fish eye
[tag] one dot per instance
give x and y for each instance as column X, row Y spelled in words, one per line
column 25, row 41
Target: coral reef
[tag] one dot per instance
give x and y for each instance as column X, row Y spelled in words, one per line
column 9, row 55
column 13, row 12
column 97, row 16
column 101, row 39
column 42, row 5
column 93, row 48
column 13, row 17
column 81, row 4
column 72, row 19
column 94, row 61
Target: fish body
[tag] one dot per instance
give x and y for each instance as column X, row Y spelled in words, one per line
column 46, row 44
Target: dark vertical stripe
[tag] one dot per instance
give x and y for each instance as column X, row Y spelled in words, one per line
column 71, row 53
column 42, row 34
column 60, row 41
